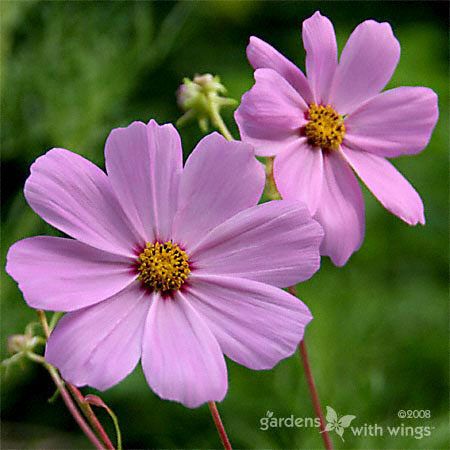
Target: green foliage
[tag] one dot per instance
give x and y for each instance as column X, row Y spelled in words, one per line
column 71, row 71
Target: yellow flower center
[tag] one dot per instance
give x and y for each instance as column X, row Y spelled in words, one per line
column 325, row 128
column 163, row 267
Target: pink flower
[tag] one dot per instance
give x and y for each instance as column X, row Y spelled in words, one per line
column 321, row 126
column 175, row 265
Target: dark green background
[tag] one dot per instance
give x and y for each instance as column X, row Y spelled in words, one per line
column 72, row 71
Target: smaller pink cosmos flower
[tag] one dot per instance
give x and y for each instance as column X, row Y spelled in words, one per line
column 173, row 265
column 322, row 126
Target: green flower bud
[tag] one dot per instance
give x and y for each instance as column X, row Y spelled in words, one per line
column 200, row 98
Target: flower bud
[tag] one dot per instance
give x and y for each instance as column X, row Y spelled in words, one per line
column 18, row 343
column 199, row 97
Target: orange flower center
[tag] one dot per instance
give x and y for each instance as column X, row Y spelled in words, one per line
column 325, row 127
column 163, row 267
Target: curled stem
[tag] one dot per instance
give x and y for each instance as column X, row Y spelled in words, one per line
column 68, row 400
column 94, row 400
column 90, row 415
column 219, row 425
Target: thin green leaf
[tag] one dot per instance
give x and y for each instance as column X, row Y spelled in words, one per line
column 53, row 398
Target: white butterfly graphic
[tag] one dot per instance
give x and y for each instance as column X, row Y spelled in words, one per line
column 337, row 424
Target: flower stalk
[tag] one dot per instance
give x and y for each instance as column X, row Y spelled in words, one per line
column 219, row 425
column 69, row 401
column 210, row 103
column 44, row 323
column 312, row 386
column 90, row 416
column 218, row 121
column 94, row 400
column 314, row 395
column 271, row 188
column 94, row 423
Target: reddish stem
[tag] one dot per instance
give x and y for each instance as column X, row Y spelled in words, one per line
column 90, row 416
column 69, row 401
column 314, row 395
column 73, row 409
column 312, row 386
column 219, row 425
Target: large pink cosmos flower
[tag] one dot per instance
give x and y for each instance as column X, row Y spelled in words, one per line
column 320, row 127
column 175, row 265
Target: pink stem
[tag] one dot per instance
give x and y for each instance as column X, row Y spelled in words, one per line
column 68, row 399
column 73, row 409
column 90, row 416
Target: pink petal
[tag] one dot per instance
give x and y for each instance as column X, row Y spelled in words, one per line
column 63, row 275
column 220, row 179
column 75, row 196
column 393, row 123
column 384, row 181
column 261, row 55
column 341, row 211
column 181, row 358
column 319, row 41
column 367, row 63
column 144, row 164
column 270, row 114
column 256, row 324
column 276, row 243
column 100, row 345
column 298, row 174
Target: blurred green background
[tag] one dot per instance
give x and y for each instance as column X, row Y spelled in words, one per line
column 72, row 71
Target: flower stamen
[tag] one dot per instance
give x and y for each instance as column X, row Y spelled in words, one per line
column 325, row 128
column 163, row 267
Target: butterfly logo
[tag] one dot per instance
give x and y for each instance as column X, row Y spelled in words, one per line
column 338, row 424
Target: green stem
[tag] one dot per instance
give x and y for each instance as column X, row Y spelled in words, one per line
column 54, row 320
column 218, row 122
column 44, row 323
